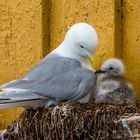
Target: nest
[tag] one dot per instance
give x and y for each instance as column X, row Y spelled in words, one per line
column 75, row 121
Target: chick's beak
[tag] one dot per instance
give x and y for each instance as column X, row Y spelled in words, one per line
column 100, row 71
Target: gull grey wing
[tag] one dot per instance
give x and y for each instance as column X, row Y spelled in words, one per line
column 19, row 94
column 45, row 70
column 71, row 85
column 52, row 67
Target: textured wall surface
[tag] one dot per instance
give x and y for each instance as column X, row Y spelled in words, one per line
column 21, row 37
column 131, row 41
column 29, row 29
column 99, row 13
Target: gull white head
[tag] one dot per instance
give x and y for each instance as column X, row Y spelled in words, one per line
column 81, row 40
column 112, row 67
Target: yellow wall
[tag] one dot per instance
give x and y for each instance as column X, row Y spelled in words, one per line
column 99, row 13
column 131, row 41
column 29, row 29
column 21, row 41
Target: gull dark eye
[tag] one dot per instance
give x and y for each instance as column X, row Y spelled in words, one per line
column 82, row 47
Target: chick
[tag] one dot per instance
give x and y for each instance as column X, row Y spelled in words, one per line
column 111, row 86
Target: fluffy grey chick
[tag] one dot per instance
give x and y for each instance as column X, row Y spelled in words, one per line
column 111, row 86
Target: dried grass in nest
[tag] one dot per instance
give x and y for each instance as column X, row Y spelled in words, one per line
column 72, row 121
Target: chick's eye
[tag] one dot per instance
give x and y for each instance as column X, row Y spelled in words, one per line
column 111, row 68
column 82, row 46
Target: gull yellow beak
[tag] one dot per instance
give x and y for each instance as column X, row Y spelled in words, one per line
column 92, row 62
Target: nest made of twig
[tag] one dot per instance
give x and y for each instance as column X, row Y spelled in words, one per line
column 75, row 121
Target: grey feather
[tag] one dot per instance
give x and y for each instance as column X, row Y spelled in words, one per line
column 59, row 76
column 56, row 78
column 114, row 89
column 111, row 86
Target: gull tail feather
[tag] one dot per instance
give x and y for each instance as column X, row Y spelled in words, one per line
column 14, row 83
column 31, row 103
column 20, row 98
